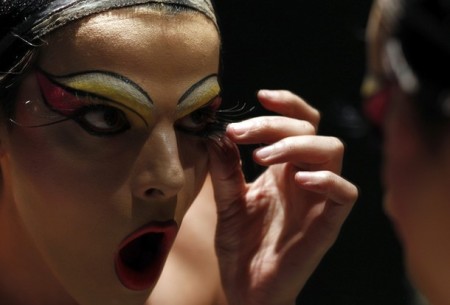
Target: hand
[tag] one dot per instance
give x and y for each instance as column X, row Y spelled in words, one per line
column 272, row 233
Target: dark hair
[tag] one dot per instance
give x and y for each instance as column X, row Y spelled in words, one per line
column 424, row 33
column 16, row 56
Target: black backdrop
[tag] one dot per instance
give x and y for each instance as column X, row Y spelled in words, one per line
column 316, row 49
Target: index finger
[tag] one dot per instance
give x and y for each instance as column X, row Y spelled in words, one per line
column 289, row 104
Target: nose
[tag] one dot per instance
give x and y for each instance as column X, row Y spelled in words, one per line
column 158, row 173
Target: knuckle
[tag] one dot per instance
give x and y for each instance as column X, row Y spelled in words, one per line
column 316, row 115
column 286, row 145
column 354, row 193
column 262, row 125
column 337, row 146
column 308, row 128
column 328, row 178
column 292, row 98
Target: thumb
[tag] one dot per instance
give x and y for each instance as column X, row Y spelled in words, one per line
column 226, row 172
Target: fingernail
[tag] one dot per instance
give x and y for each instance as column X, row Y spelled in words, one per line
column 240, row 128
column 270, row 94
column 264, row 152
column 303, row 176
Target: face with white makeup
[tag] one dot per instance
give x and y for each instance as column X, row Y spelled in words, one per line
column 105, row 153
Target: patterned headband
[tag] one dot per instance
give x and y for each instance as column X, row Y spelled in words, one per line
column 24, row 22
column 55, row 14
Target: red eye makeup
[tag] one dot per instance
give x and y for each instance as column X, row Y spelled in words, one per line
column 377, row 94
column 375, row 105
column 58, row 98
column 104, row 103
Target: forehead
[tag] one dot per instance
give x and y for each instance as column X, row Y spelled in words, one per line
column 139, row 37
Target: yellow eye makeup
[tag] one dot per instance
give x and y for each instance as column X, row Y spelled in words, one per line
column 111, row 87
column 198, row 95
column 105, row 103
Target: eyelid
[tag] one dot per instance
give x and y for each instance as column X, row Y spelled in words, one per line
column 198, row 96
column 120, row 90
column 76, row 102
column 112, row 87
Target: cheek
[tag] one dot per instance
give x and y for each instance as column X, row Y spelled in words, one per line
column 59, row 161
column 50, row 182
column 420, row 215
column 74, row 206
column 403, row 158
column 424, row 236
column 66, row 194
column 194, row 159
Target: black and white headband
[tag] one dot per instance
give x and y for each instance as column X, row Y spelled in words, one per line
column 56, row 14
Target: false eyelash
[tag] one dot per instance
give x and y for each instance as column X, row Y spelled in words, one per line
column 223, row 117
column 239, row 110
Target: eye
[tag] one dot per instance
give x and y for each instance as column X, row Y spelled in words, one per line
column 102, row 120
column 202, row 121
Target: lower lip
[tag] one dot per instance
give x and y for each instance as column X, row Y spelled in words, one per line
column 146, row 278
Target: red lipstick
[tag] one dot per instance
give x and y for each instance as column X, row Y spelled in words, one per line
column 141, row 256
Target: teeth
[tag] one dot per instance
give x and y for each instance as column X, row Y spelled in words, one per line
column 139, row 254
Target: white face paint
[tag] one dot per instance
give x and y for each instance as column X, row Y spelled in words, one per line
column 89, row 198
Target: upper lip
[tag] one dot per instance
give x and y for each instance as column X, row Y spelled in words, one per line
column 141, row 256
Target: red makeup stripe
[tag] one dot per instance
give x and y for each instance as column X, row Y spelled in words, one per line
column 57, row 97
column 375, row 107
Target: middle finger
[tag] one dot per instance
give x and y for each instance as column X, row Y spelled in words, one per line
column 268, row 129
column 308, row 152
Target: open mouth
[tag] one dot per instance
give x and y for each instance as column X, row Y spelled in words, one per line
column 141, row 256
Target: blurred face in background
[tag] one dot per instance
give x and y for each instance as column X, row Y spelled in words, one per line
column 416, row 171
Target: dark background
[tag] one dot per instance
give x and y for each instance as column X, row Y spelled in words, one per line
column 316, row 49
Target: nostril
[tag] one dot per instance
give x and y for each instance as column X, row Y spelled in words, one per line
column 154, row 193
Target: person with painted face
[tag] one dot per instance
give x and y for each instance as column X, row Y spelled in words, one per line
column 407, row 90
column 111, row 124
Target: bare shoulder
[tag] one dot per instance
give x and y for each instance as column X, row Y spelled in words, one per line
column 191, row 274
